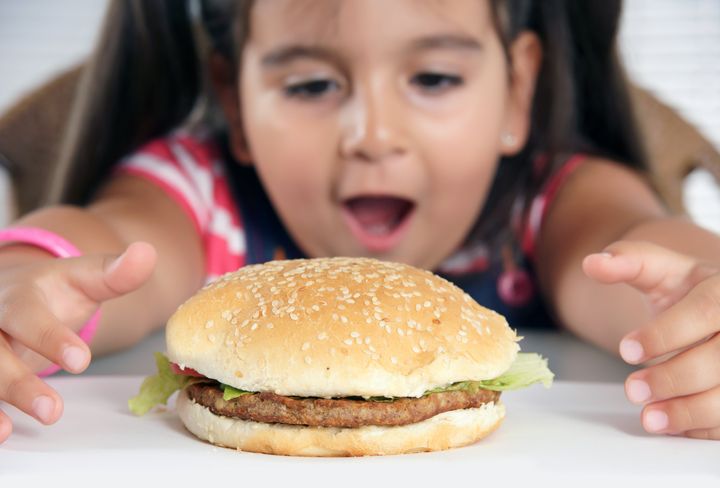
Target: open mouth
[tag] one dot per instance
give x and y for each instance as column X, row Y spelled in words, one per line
column 378, row 222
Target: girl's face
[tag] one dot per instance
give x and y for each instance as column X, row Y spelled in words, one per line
column 376, row 126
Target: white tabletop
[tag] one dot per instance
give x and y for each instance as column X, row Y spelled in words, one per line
column 574, row 432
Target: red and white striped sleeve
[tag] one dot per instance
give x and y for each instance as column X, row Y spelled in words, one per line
column 189, row 170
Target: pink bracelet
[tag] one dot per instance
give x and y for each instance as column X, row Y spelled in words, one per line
column 61, row 248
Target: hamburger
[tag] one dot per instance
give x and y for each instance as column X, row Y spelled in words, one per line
column 337, row 357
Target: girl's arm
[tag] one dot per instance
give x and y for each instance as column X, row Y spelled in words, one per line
column 602, row 203
column 660, row 302
column 128, row 209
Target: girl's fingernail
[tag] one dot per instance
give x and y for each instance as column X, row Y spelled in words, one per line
column 43, row 407
column 74, row 358
column 638, row 391
column 656, row 420
column 113, row 264
column 605, row 255
column 631, row 351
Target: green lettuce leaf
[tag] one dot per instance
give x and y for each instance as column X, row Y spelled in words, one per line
column 230, row 393
column 527, row 369
column 156, row 389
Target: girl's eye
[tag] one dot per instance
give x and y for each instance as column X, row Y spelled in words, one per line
column 436, row 82
column 311, row 89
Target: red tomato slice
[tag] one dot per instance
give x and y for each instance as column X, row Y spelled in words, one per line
column 185, row 371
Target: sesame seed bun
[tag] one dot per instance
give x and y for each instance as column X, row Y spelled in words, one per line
column 337, row 327
column 443, row 431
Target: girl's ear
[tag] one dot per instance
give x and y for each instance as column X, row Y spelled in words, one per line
column 224, row 82
column 526, row 58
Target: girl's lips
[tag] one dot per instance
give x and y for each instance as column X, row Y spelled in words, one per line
column 378, row 222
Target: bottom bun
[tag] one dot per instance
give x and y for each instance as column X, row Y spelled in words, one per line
column 450, row 429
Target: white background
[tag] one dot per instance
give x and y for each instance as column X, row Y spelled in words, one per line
column 670, row 46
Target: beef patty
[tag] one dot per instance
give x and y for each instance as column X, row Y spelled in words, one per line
column 335, row 412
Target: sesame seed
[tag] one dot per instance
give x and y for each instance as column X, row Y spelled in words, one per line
column 354, row 334
column 401, row 332
column 416, row 349
column 316, row 308
column 209, row 324
column 305, row 346
column 393, row 360
column 322, row 336
column 211, row 338
column 343, row 319
column 269, row 325
column 294, row 316
column 348, row 342
column 308, row 360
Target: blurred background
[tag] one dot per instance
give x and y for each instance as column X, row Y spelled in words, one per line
column 670, row 47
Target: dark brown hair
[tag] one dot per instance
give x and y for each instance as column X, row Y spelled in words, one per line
column 145, row 78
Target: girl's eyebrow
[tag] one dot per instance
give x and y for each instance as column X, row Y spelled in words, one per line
column 287, row 54
column 446, row 41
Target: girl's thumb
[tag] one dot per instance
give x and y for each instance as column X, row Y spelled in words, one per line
column 128, row 271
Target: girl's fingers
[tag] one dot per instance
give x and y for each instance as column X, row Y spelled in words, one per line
column 25, row 318
column 645, row 266
column 104, row 278
column 693, row 371
column 708, row 434
column 664, row 276
column 22, row 388
column 684, row 296
column 685, row 324
column 697, row 413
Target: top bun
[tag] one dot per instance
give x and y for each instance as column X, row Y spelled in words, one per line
column 334, row 327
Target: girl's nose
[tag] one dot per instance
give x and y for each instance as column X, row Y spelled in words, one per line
column 372, row 127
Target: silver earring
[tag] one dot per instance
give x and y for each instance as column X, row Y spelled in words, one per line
column 508, row 139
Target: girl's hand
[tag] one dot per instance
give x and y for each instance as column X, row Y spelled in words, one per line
column 681, row 392
column 40, row 307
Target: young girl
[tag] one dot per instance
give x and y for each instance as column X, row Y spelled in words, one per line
column 488, row 140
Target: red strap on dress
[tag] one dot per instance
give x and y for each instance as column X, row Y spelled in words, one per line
column 542, row 202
